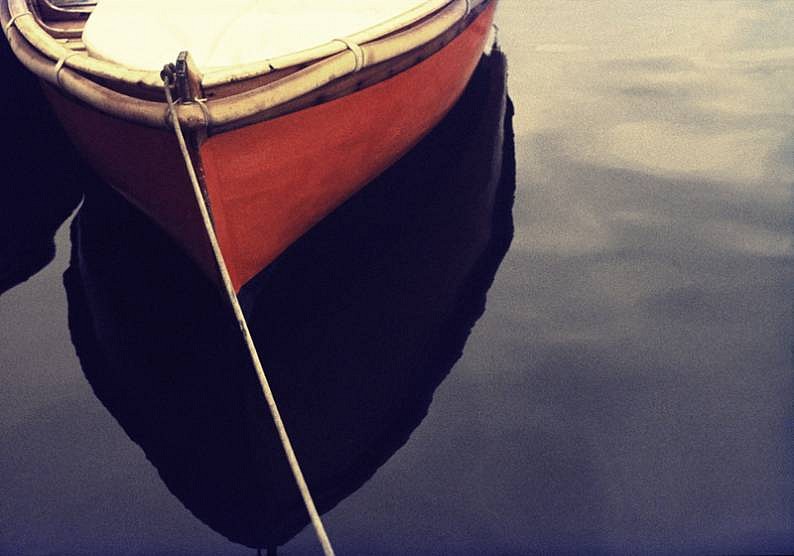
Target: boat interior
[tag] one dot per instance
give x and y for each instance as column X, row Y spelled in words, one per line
column 270, row 56
column 218, row 34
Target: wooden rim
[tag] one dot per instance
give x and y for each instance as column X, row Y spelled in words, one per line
column 420, row 32
column 35, row 32
column 79, row 11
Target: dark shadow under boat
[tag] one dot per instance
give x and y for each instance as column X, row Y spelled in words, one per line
column 42, row 178
column 357, row 325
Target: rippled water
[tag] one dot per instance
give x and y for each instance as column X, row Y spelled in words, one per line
column 619, row 380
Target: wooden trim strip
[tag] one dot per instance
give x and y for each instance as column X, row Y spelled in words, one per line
column 34, row 33
column 51, row 11
column 253, row 105
column 393, row 25
column 49, row 47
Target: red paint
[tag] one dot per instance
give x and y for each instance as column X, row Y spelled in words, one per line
column 143, row 164
column 270, row 182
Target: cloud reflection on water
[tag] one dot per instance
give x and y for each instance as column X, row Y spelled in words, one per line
column 648, row 291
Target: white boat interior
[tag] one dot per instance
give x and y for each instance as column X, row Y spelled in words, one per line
column 145, row 34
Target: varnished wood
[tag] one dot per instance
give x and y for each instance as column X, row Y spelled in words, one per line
column 51, row 12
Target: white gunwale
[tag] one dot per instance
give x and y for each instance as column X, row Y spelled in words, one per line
column 127, row 93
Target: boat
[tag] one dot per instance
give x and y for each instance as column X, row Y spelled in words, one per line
column 357, row 330
column 287, row 108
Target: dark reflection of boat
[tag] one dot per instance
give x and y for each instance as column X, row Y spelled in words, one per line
column 357, row 324
column 41, row 185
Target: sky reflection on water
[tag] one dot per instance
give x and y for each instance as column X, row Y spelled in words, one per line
column 629, row 386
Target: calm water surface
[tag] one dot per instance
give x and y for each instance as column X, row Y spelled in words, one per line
column 618, row 380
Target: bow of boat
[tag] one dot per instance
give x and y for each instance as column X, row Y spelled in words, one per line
column 281, row 131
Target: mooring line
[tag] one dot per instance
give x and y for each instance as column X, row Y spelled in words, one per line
column 168, row 75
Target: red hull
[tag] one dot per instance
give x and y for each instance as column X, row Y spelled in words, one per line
column 143, row 164
column 269, row 182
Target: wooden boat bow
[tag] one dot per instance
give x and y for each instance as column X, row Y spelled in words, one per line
column 239, row 95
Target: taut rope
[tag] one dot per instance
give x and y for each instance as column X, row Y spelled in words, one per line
column 168, row 75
